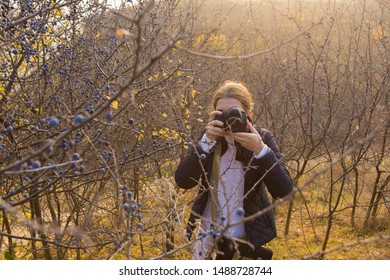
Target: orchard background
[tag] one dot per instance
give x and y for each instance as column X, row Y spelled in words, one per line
column 99, row 104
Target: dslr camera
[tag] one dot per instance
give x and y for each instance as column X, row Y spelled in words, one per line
column 233, row 119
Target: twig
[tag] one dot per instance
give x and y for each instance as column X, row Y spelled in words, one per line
column 42, row 168
column 19, row 21
column 380, row 238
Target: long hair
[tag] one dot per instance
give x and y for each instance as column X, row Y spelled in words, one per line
column 230, row 89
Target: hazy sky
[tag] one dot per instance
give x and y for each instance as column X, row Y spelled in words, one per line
column 113, row 3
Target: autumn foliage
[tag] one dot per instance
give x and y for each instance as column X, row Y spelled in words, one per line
column 98, row 105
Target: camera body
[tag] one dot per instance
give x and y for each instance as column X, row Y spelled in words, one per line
column 233, row 119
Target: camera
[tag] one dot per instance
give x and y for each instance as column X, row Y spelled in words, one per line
column 233, row 119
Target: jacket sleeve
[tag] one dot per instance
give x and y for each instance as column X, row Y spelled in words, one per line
column 271, row 168
column 192, row 167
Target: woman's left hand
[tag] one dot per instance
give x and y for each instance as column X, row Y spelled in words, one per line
column 251, row 141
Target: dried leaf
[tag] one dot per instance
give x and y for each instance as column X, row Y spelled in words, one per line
column 120, row 32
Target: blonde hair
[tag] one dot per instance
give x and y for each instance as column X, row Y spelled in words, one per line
column 233, row 90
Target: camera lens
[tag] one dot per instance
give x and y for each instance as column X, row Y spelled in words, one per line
column 233, row 124
column 233, row 119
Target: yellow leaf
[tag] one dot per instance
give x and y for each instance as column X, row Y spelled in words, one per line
column 378, row 33
column 179, row 73
column 193, row 93
column 27, row 215
column 114, row 104
column 120, row 32
column 153, row 77
column 140, row 136
column 187, row 113
column 58, row 12
column 164, row 115
column 357, row 127
column 35, row 110
column 198, row 41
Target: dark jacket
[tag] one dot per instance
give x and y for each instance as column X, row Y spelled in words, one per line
column 195, row 170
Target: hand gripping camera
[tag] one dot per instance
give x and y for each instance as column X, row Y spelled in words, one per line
column 233, row 119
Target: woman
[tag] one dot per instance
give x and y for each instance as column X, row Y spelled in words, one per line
column 233, row 169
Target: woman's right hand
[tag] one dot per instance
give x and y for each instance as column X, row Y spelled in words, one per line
column 214, row 128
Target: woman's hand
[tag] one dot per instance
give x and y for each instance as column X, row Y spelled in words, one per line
column 251, row 141
column 214, row 128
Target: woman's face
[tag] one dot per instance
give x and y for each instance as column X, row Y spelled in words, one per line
column 225, row 103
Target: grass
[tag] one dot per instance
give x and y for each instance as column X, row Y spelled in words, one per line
column 301, row 240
